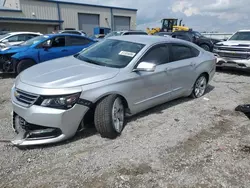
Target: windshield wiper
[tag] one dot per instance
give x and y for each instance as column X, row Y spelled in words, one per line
column 89, row 60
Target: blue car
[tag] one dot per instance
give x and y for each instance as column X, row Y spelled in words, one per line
column 15, row 59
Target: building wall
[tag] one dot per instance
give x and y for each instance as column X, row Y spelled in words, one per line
column 127, row 13
column 42, row 10
column 27, row 27
column 69, row 13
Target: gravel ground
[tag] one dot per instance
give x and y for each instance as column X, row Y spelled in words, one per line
column 184, row 143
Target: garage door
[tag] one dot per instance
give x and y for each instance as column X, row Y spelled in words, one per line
column 121, row 23
column 87, row 22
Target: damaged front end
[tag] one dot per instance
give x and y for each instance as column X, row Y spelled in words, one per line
column 28, row 133
column 7, row 63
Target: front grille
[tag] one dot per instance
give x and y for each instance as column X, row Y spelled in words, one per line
column 233, row 55
column 25, row 97
column 234, row 49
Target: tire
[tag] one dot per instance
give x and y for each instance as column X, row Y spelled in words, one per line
column 24, row 64
column 205, row 47
column 202, row 78
column 105, row 115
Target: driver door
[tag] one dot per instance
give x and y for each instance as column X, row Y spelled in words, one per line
column 55, row 50
column 152, row 88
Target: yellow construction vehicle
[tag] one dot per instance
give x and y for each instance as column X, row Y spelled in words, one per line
column 168, row 25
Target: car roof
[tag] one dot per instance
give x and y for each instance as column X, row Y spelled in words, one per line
column 66, row 34
column 24, row 32
column 244, row 30
column 123, row 31
column 144, row 39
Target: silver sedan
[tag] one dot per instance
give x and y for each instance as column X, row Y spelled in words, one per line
column 116, row 77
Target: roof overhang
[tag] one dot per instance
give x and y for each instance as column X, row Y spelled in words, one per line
column 85, row 4
column 30, row 20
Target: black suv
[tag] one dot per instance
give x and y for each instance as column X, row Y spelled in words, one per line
column 197, row 38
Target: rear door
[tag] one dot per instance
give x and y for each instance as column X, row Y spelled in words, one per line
column 58, row 49
column 182, row 65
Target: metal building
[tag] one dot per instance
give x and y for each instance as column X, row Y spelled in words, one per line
column 46, row 16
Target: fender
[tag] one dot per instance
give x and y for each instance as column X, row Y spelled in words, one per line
column 31, row 54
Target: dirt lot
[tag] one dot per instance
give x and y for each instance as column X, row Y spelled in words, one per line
column 185, row 143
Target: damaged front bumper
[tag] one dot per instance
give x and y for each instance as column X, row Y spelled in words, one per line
column 37, row 125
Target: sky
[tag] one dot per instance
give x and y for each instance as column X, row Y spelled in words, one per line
column 201, row 15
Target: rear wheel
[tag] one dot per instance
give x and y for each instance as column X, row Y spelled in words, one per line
column 24, row 64
column 109, row 116
column 200, row 86
column 205, row 47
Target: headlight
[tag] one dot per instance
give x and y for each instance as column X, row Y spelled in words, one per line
column 60, row 102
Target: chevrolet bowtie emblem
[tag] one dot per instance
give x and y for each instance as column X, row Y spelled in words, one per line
column 16, row 94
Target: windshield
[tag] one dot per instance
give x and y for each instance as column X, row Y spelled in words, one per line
column 34, row 40
column 114, row 33
column 241, row 36
column 111, row 53
column 3, row 36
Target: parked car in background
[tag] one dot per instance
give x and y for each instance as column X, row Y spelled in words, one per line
column 16, row 38
column 127, row 32
column 15, row 59
column 235, row 52
column 163, row 34
column 197, row 38
column 76, row 32
column 118, row 76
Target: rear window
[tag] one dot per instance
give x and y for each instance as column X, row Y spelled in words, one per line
column 135, row 33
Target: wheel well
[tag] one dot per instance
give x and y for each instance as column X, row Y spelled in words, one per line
column 89, row 116
column 206, row 45
column 206, row 74
column 124, row 101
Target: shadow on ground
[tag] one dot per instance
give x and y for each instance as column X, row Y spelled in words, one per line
column 7, row 75
column 234, row 71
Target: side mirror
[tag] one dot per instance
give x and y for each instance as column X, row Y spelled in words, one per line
column 5, row 41
column 225, row 39
column 46, row 45
column 146, row 67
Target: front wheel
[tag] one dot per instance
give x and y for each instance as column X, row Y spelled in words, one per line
column 109, row 116
column 206, row 47
column 24, row 64
column 200, row 86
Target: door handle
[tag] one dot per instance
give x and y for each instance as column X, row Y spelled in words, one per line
column 64, row 50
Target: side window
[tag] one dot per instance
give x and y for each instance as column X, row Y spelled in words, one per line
column 135, row 33
column 180, row 52
column 77, row 41
column 158, row 54
column 183, row 37
column 27, row 37
column 13, row 38
column 58, row 42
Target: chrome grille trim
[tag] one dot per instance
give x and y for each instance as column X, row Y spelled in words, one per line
column 25, row 98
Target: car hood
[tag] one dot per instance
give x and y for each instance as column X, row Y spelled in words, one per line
column 66, row 72
column 13, row 49
column 234, row 43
